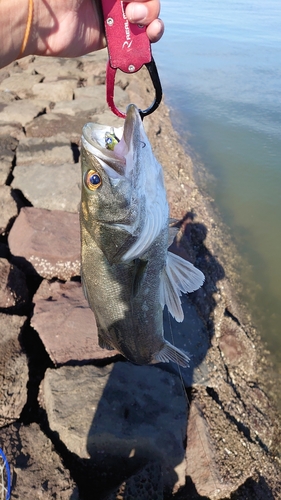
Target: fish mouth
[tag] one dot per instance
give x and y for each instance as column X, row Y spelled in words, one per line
column 116, row 162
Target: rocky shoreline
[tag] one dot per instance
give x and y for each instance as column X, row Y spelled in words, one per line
column 79, row 422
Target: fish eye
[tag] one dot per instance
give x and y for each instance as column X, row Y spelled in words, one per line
column 93, row 180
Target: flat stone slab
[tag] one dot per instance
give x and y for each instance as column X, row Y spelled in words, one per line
column 36, row 182
column 51, row 124
column 22, row 111
column 20, row 85
column 122, row 416
column 8, row 208
column 13, row 289
column 97, row 95
column 56, row 91
column 37, row 470
column 50, row 150
column 83, row 104
column 13, row 369
column 48, row 240
column 66, row 324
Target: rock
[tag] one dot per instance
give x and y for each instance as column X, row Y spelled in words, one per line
column 80, row 105
column 54, row 68
column 55, row 91
column 36, row 182
column 19, row 85
column 8, row 147
column 235, row 345
column 11, row 129
column 213, row 445
column 107, row 118
column 192, row 337
column 122, row 416
column 4, row 74
column 13, row 289
column 96, row 94
column 145, row 484
column 13, row 369
column 66, row 324
column 22, row 111
column 52, row 124
column 48, row 240
column 37, row 470
column 8, row 208
column 50, row 150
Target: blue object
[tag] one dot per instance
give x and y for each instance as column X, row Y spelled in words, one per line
column 7, row 468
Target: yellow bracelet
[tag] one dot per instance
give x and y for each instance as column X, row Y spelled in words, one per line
column 28, row 27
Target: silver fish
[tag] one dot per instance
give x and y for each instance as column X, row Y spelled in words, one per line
column 127, row 272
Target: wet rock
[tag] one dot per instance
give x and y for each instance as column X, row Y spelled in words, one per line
column 121, row 416
column 8, row 208
column 54, row 187
column 19, row 85
column 22, row 111
column 13, row 290
column 48, row 240
column 50, row 150
column 13, row 369
column 37, row 470
column 66, row 324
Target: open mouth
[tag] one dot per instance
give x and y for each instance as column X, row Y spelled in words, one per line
column 112, row 146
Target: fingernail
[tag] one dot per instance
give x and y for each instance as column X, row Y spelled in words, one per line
column 138, row 12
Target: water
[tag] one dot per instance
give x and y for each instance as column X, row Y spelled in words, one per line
column 219, row 63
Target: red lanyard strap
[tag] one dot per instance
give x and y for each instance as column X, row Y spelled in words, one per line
column 128, row 50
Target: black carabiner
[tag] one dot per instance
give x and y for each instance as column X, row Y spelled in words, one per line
column 152, row 68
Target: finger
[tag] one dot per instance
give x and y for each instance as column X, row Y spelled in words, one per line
column 143, row 12
column 155, row 30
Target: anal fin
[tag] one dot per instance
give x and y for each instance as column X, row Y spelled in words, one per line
column 104, row 344
column 171, row 353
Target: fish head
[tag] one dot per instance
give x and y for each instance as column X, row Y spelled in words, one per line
column 118, row 184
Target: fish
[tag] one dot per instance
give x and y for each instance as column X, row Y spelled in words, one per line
column 127, row 272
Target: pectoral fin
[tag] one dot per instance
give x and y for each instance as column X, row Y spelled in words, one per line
column 171, row 353
column 178, row 276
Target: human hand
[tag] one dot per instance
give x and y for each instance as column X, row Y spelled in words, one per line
column 72, row 28
column 64, row 28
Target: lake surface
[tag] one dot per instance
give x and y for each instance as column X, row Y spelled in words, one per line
column 219, row 62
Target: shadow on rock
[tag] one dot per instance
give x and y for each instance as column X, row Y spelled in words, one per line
column 195, row 333
column 138, row 433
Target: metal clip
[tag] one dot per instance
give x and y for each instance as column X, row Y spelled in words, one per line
column 128, row 49
column 110, row 80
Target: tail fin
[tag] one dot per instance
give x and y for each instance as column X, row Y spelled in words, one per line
column 171, row 353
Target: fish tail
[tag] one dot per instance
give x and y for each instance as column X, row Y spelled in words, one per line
column 171, row 353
